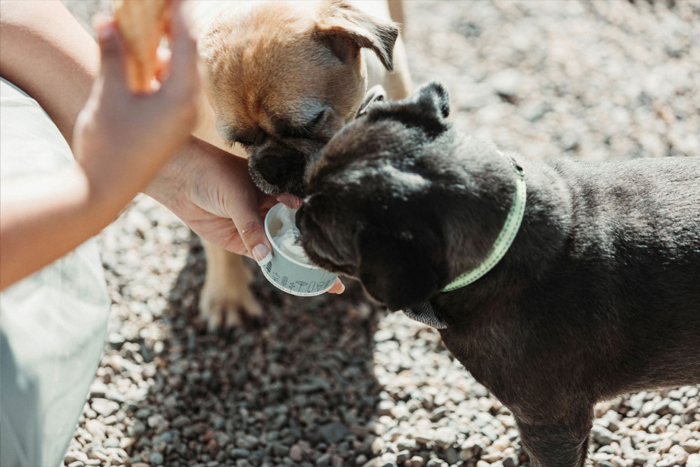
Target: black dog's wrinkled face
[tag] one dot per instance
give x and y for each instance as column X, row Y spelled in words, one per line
column 373, row 210
column 278, row 163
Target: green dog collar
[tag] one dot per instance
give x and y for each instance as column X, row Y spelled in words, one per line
column 504, row 239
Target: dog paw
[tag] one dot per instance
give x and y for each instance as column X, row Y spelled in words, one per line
column 227, row 308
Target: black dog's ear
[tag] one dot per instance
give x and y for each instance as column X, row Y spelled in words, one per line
column 395, row 271
column 375, row 94
column 347, row 29
column 434, row 96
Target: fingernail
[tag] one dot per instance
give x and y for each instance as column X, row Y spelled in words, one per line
column 261, row 254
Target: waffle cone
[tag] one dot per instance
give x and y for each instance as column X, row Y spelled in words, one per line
column 142, row 24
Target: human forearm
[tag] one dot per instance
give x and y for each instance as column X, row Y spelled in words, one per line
column 212, row 192
column 44, row 218
column 120, row 142
column 50, row 56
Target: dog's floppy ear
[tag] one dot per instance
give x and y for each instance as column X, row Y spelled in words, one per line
column 348, row 29
column 397, row 271
column 434, row 98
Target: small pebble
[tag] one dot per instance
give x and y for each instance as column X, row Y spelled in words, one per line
column 156, row 458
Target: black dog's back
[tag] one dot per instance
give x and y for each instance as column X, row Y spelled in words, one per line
column 616, row 310
column 634, row 255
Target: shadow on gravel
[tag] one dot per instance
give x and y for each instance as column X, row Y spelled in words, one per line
column 296, row 387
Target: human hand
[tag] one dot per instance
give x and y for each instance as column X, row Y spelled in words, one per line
column 122, row 139
column 211, row 191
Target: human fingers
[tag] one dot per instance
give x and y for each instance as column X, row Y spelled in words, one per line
column 183, row 62
column 337, row 287
column 290, row 201
column 162, row 63
column 228, row 238
column 243, row 206
column 265, row 203
column 112, row 78
column 250, row 227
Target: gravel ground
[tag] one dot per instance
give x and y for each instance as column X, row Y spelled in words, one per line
column 333, row 381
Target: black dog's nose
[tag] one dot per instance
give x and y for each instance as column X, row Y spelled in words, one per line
column 277, row 165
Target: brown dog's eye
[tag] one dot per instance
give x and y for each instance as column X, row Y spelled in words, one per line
column 310, row 126
column 244, row 142
column 304, row 131
column 258, row 139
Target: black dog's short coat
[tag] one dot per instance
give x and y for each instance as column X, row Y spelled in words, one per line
column 598, row 295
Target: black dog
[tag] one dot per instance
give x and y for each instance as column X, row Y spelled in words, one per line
column 598, row 295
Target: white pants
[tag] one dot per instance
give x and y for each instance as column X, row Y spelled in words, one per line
column 53, row 323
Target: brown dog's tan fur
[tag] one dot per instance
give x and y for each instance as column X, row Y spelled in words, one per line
column 264, row 62
column 252, row 81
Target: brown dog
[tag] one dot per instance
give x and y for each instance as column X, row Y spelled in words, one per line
column 281, row 78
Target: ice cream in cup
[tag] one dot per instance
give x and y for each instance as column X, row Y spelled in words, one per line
column 289, row 269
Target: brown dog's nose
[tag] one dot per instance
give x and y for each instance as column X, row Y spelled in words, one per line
column 278, row 165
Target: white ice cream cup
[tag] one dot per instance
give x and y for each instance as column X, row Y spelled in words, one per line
column 287, row 273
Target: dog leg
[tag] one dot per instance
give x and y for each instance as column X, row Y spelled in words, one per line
column 562, row 444
column 396, row 11
column 398, row 84
column 226, row 299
